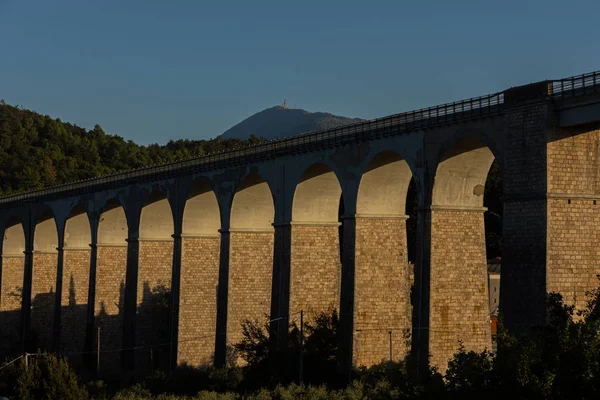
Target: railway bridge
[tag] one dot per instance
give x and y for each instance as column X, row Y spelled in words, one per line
column 174, row 257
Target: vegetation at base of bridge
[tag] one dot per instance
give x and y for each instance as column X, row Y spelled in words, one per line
column 560, row 360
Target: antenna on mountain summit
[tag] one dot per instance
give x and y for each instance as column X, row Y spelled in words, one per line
column 284, row 103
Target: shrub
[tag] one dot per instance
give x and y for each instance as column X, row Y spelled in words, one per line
column 46, row 376
column 469, row 373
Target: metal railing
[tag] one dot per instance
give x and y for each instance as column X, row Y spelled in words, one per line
column 396, row 124
column 577, row 85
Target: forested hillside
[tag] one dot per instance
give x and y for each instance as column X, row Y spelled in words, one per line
column 38, row 151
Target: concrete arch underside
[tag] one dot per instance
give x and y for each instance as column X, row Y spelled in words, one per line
column 199, row 276
column 459, row 304
column 382, row 276
column 251, row 255
column 11, row 290
column 315, row 265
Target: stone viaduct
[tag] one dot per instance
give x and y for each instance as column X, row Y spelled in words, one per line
column 314, row 222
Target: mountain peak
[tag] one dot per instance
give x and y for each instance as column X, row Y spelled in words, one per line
column 280, row 121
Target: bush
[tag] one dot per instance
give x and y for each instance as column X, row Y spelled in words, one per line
column 469, row 374
column 46, row 376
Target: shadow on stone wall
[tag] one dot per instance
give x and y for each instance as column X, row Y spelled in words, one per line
column 152, row 328
column 42, row 322
column 111, row 335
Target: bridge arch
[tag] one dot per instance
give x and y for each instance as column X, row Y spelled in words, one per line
column 112, row 225
column 382, row 272
column 317, row 196
column 461, row 173
column 199, row 275
column 315, row 271
column 75, row 279
column 384, row 185
column 201, row 212
column 11, row 291
column 14, row 239
column 251, row 254
column 156, row 218
column 252, row 207
column 460, row 313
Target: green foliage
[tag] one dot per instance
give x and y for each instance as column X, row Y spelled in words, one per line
column 38, row 151
column 46, row 377
column 269, row 369
column 469, row 374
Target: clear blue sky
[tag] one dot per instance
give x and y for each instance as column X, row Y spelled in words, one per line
column 151, row 71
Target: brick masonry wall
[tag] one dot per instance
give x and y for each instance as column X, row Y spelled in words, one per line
column 152, row 323
column 43, row 294
column 573, row 257
column 382, row 291
column 110, row 296
column 459, row 309
column 250, row 279
column 74, row 298
column 10, row 302
column 198, row 300
column 315, row 270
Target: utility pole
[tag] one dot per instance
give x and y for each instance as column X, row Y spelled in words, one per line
column 301, row 359
column 390, row 333
column 98, row 354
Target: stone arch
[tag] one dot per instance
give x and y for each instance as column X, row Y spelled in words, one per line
column 201, row 212
column 458, row 245
column 382, row 274
column 461, row 173
column 75, row 280
column 315, row 272
column 317, row 196
column 252, row 207
column 200, row 251
column 14, row 239
column 78, row 233
column 45, row 237
column 112, row 225
column 13, row 264
column 111, row 267
column 251, row 254
column 43, row 286
column 384, row 185
column 155, row 268
column 156, row 219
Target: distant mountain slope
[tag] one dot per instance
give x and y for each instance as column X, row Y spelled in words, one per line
column 277, row 122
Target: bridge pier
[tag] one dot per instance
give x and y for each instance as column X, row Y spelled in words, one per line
column 458, row 303
column 382, row 311
column 11, row 287
column 43, row 286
